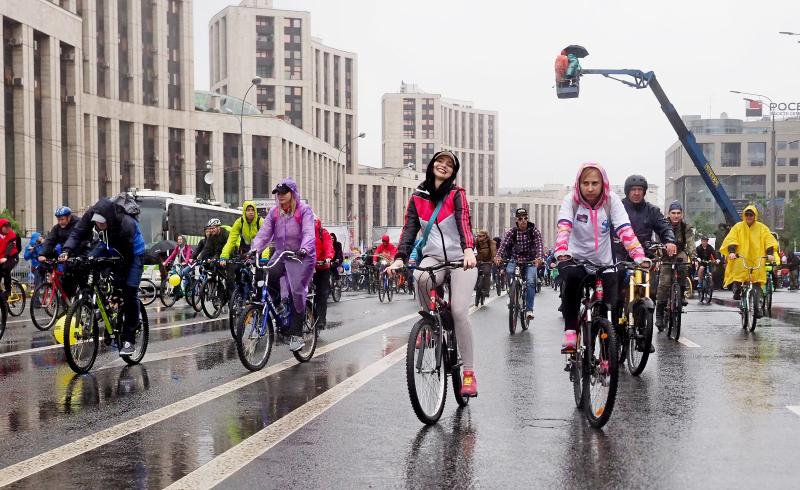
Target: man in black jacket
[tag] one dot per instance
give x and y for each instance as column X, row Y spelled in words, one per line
column 65, row 222
column 216, row 237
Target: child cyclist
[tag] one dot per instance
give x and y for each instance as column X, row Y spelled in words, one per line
column 584, row 233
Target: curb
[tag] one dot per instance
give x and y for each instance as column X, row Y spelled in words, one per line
column 789, row 315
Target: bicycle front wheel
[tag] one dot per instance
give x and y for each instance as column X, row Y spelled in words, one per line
column 336, row 291
column 676, row 303
column 601, row 374
column 234, row 308
column 381, row 290
column 425, row 377
column 141, row 336
column 211, row 298
column 708, row 289
column 768, row 302
column 309, row 335
column 254, row 338
column 167, row 293
column 753, row 296
column 513, row 307
column 456, row 374
column 81, row 335
column 639, row 340
column 389, row 289
column 147, row 292
column 16, row 299
column 45, row 305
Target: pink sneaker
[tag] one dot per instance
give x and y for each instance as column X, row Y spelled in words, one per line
column 570, row 342
column 469, row 385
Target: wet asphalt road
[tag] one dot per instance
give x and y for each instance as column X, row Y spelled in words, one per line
column 709, row 412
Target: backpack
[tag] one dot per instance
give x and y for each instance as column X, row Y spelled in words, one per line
column 127, row 203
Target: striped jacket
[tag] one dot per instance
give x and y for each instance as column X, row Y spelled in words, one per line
column 450, row 235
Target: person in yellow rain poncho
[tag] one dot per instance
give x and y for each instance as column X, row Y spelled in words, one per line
column 751, row 240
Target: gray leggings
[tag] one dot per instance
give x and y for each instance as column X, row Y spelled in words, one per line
column 462, row 283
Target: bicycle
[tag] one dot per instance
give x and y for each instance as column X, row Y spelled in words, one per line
column 49, row 299
column 499, row 280
column 673, row 312
column 749, row 304
column 386, row 285
column 594, row 366
column 97, row 302
column 517, row 290
column 16, row 298
column 769, row 289
column 194, row 288
column 169, row 294
column 432, row 352
column 148, row 292
column 242, row 290
column 256, row 329
column 214, row 295
column 706, row 286
column 479, row 296
column 635, row 326
column 336, row 286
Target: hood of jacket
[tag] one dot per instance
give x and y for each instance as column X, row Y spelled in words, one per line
column 247, row 204
column 34, row 237
column 578, row 197
column 753, row 209
column 4, row 222
column 430, row 181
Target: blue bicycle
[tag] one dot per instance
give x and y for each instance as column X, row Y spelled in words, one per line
column 260, row 323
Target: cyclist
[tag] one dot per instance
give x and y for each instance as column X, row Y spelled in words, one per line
column 706, row 253
column 182, row 255
column 240, row 237
column 522, row 243
column 32, row 252
column 386, row 250
column 486, row 251
column 750, row 240
column 10, row 247
column 216, row 238
column 322, row 272
column 290, row 226
column 338, row 257
column 683, row 242
column 584, row 232
column 451, row 240
column 121, row 235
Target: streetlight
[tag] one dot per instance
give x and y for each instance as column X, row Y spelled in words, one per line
column 774, row 156
column 255, row 81
column 338, row 172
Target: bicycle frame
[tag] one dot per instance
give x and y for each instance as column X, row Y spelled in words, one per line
column 638, row 294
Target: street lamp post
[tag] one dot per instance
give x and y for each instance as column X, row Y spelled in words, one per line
column 338, row 172
column 255, row 81
column 774, row 179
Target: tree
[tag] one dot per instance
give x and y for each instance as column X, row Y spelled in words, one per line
column 791, row 228
column 703, row 224
column 5, row 213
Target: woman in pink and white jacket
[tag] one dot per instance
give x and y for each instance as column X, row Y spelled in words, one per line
column 584, row 232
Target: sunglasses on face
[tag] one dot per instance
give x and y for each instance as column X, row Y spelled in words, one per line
column 524, row 218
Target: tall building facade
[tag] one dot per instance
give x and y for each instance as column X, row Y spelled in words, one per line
column 98, row 97
column 740, row 153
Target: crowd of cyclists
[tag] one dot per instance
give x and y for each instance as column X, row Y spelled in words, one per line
column 601, row 238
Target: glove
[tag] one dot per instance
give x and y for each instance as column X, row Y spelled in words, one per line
column 263, row 260
column 302, row 253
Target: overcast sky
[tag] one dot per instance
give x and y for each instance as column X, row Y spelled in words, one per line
column 500, row 56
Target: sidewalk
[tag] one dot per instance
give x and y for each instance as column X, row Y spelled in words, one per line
column 785, row 304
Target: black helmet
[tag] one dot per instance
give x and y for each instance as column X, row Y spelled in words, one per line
column 635, row 181
column 520, row 212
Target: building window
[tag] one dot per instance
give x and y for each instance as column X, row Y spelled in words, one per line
column 427, row 118
column 491, row 175
column 409, row 118
column 316, row 76
column 792, row 177
column 480, row 131
column 293, row 49
column 122, row 52
column 782, row 194
column 463, row 130
column 202, row 154
column 781, row 162
column 348, row 138
column 781, row 177
column 175, row 160
column 104, row 176
column 731, row 154
column 336, row 86
column 150, row 157
column 391, row 200
column 348, row 83
column 409, row 154
column 102, row 58
column 173, row 55
column 265, row 46
column 325, row 82
column 793, row 162
column 491, row 133
column 756, row 154
column 376, row 205
column 781, row 145
column 472, row 131
column 326, row 132
column 794, row 145
column 362, row 217
column 230, row 167
column 337, row 129
column 708, row 151
column 125, row 155
column 428, row 149
column 481, row 179
column 261, row 183
column 293, row 107
column 265, row 98
column 149, row 93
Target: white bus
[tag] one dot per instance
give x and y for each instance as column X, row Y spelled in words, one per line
column 164, row 216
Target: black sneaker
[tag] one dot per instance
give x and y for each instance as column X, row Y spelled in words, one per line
column 127, row 349
column 737, row 294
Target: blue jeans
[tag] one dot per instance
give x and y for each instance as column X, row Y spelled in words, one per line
column 530, row 281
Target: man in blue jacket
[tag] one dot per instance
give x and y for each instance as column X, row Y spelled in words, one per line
column 120, row 235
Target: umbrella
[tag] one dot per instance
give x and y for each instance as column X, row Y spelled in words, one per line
column 158, row 252
column 578, row 51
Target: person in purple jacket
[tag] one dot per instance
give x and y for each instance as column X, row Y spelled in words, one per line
column 289, row 226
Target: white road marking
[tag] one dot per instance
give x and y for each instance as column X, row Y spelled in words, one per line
column 236, row 458
column 59, row 346
column 167, row 354
column 794, row 408
column 688, row 343
column 48, row 459
column 148, row 308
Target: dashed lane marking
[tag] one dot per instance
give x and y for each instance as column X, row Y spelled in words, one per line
column 688, row 343
column 794, row 408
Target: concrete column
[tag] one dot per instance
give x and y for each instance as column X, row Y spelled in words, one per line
column 217, row 166
column 51, row 125
column 189, row 170
column 23, row 206
column 90, row 46
column 90, row 158
column 162, row 150
column 135, row 51
column 137, row 153
column 112, row 157
column 160, row 19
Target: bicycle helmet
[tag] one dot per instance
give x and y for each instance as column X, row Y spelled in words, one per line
column 63, row 211
column 213, row 222
column 635, row 181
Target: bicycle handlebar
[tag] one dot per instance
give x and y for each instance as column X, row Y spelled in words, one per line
column 286, row 254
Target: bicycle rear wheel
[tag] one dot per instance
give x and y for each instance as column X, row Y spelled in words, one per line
column 197, row 293
column 166, row 294
column 426, row 380
column 81, row 335
column 141, row 336
column 513, row 307
column 768, row 301
column 753, row 298
column 147, row 292
column 708, row 288
column 45, row 306
column 456, row 374
column 309, row 334
column 211, row 299
column 639, row 341
column 389, row 289
column 336, row 291
column 253, row 345
column 675, row 304
column 234, row 307
column 601, row 374
column 16, row 298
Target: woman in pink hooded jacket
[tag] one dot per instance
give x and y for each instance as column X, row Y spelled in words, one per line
column 585, row 224
column 290, row 226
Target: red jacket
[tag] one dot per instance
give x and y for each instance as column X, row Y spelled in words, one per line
column 10, row 243
column 186, row 254
column 388, row 250
column 324, row 245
